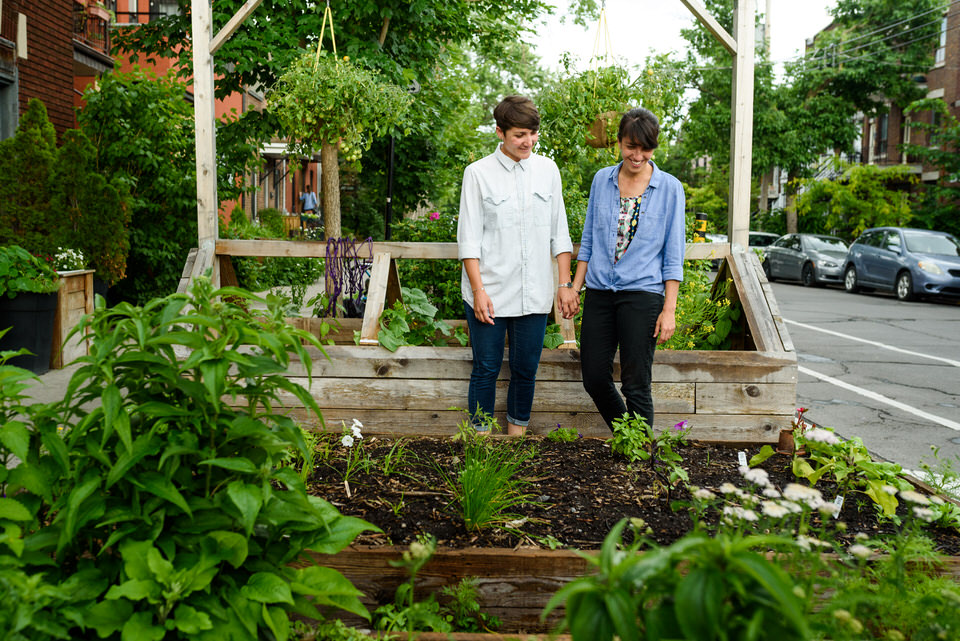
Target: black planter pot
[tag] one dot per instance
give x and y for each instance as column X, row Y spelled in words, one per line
column 30, row 318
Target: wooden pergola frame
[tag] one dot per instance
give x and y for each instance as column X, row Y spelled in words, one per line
column 205, row 45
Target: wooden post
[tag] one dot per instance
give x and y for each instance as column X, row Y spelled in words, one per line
column 741, row 125
column 206, row 137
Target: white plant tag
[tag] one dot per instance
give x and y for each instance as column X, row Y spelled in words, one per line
column 742, row 458
column 838, row 501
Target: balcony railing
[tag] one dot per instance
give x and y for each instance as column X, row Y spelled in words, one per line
column 91, row 24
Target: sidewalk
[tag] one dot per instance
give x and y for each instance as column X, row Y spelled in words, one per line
column 51, row 386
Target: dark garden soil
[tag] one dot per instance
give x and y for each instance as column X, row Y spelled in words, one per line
column 578, row 491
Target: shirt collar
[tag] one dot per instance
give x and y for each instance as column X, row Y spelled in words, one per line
column 509, row 163
column 655, row 178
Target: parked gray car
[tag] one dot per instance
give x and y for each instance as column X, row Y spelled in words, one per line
column 812, row 259
column 908, row 262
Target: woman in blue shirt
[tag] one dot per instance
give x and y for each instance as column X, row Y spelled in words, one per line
column 631, row 262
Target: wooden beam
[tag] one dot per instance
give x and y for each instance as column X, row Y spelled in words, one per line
column 206, row 136
column 376, row 297
column 707, row 20
column 741, row 126
column 228, row 29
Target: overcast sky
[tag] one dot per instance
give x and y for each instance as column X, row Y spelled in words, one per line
column 639, row 28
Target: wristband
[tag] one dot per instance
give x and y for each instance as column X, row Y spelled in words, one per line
column 566, row 285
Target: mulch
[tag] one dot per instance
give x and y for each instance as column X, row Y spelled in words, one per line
column 577, row 491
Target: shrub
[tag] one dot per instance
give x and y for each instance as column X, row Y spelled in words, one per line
column 20, row 271
column 163, row 511
column 271, row 219
column 439, row 279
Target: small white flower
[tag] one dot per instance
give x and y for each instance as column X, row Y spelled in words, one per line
column 914, row 497
column 861, row 536
column 936, row 500
column 820, row 435
column 889, row 489
column 829, row 509
column 771, row 493
column 356, row 432
column 793, row 507
column 757, row 476
column 728, row 488
column 347, row 440
column 860, row 551
column 774, row 510
column 803, row 494
column 737, row 512
column 357, row 425
column 924, row 513
column 702, row 494
column 749, row 515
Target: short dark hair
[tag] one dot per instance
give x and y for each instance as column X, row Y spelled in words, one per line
column 640, row 126
column 517, row 111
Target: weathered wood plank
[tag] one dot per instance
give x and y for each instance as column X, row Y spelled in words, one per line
column 765, row 335
column 771, row 301
column 707, row 427
column 376, row 298
column 406, row 394
column 555, row 365
column 744, row 398
column 705, row 251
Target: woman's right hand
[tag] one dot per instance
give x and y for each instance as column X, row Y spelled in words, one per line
column 483, row 307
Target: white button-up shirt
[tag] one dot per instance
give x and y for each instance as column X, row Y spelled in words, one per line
column 513, row 220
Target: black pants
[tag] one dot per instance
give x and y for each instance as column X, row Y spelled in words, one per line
column 625, row 320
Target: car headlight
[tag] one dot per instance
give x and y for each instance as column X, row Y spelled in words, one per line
column 828, row 263
column 930, row 266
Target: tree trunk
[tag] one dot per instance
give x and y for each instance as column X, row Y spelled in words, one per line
column 330, row 177
column 764, row 189
column 791, row 213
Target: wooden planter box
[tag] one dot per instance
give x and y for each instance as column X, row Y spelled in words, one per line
column 744, row 395
column 74, row 300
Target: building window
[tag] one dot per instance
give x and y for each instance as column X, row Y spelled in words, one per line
column 941, row 54
column 883, row 123
column 8, row 106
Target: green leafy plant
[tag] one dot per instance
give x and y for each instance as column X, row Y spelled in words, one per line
column 414, row 322
column 552, row 338
column 706, row 317
column 158, row 487
column 67, row 260
column 700, row 588
column 637, row 441
column 464, row 605
column 406, row 613
column 356, row 457
column 22, row 272
column 563, row 434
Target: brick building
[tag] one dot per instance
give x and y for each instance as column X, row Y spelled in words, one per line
column 51, row 50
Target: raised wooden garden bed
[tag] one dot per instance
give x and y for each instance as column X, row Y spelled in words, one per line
column 74, row 300
column 743, row 395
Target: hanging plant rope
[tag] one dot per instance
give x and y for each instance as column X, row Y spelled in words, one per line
column 327, row 15
column 347, row 271
column 603, row 29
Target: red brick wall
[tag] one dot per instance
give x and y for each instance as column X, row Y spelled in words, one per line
column 47, row 73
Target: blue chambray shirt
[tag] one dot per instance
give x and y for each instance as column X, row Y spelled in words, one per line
column 513, row 219
column 656, row 252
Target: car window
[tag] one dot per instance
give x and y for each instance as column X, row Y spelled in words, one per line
column 782, row 241
column 825, row 243
column 871, row 238
column 761, row 240
column 924, row 243
column 891, row 240
column 793, row 242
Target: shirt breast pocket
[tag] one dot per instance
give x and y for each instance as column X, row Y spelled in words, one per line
column 651, row 225
column 498, row 211
column 542, row 209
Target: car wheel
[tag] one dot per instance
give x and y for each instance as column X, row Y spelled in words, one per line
column 807, row 277
column 850, row 280
column 766, row 270
column 904, row 286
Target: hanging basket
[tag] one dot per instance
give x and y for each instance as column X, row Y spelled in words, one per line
column 598, row 136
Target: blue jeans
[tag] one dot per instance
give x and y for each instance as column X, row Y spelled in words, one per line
column 487, row 341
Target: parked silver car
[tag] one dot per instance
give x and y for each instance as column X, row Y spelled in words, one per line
column 812, row 259
column 908, row 262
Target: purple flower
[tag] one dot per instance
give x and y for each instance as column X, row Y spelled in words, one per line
column 435, row 215
column 679, row 427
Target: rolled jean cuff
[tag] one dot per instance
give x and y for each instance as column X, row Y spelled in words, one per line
column 513, row 421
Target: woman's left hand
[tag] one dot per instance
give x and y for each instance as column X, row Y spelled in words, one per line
column 666, row 326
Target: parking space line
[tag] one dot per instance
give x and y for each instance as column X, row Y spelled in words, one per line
column 880, row 398
column 948, row 361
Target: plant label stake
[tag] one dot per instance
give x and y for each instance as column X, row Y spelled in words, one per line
column 742, row 458
column 838, row 501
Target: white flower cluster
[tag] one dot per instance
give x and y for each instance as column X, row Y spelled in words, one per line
column 355, row 433
column 68, row 260
column 820, row 435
